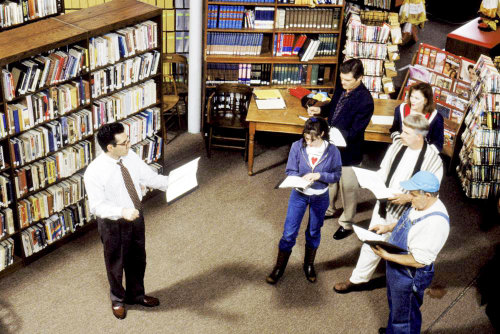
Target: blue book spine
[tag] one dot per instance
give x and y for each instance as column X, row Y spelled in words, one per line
column 17, row 126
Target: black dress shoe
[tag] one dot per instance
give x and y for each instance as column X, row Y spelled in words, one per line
column 382, row 330
column 119, row 311
column 147, row 301
column 341, row 233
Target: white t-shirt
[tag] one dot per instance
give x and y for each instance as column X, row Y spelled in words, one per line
column 314, row 155
column 428, row 236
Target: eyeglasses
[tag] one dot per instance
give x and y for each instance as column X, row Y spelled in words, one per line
column 125, row 143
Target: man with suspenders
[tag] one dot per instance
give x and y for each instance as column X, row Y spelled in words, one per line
column 422, row 230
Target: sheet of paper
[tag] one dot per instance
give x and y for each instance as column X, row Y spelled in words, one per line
column 182, row 179
column 336, row 137
column 303, row 118
column 370, row 180
column 382, row 120
column 271, row 104
column 294, row 182
column 264, row 94
column 364, row 234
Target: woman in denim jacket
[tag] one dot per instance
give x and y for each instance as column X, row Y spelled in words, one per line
column 316, row 160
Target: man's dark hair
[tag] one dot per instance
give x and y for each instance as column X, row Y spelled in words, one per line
column 315, row 126
column 354, row 66
column 106, row 134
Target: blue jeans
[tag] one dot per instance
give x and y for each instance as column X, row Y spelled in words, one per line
column 297, row 206
column 405, row 293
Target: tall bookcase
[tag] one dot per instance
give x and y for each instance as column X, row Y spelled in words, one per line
column 48, row 141
column 265, row 66
column 479, row 167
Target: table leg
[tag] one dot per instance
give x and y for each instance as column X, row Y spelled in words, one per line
column 251, row 131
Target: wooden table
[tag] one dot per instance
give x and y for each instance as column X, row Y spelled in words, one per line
column 288, row 121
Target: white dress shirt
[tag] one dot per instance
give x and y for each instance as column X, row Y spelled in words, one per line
column 105, row 186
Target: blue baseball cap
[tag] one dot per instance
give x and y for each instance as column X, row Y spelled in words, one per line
column 422, row 180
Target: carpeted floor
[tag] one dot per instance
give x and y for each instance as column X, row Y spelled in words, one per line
column 208, row 255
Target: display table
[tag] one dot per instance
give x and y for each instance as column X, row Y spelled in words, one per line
column 470, row 42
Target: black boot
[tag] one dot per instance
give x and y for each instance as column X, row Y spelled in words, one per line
column 279, row 268
column 309, row 264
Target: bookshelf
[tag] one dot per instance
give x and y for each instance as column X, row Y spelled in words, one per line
column 75, row 73
column 479, row 166
column 256, row 43
column 16, row 14
column 373, row 37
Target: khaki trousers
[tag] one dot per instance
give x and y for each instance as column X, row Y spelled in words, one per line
column 348, row 188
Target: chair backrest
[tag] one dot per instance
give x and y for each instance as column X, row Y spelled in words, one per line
column 176, row 66
column 229, row 104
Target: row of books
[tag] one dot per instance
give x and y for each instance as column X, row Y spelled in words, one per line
column 35, row 73
column 6, row 222
column 241, row 44
column 51, row 200
column 236, row 17
column 52, row 169
column 308, row 2
column 248, row 74
column 486, row 155
column 374, row 84
column 481, row 190
column 317, row 18
column 13, row 13
column 372, row 67
column 359, row 32
column 124, row 103
column 110, row 48
column 6, row 253
column 291, row 44
column 39, row 236
column 260, row 18
column 143, row 125
column 125, row 73
column 384, row 4
column 46, row 105
column 490, row 120
column 182, row 19
column 182, row 41
column 486, row 138
column 292, row 74
column 485, row 173
column 149, row 149
column 50, row 137
column 365, row 50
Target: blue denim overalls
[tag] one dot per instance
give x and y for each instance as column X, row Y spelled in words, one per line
column 406, row 285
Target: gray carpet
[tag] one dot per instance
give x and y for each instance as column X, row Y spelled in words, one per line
column 208, row 255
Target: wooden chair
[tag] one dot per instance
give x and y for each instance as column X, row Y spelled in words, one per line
column 226, row 118
column 170, row 99
column 177, row 66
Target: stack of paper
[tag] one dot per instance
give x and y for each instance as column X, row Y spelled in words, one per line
column 370, row 180
column 269, row 99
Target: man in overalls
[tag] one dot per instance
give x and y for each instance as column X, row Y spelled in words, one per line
column 422, row 230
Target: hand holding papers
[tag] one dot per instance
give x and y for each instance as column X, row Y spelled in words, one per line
column 336, row 137
column 182, row 179
column 370, row 180
column 295, row 182
column 269, row 99
column 374, row 239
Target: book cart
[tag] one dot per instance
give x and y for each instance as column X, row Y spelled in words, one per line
column 73, row 74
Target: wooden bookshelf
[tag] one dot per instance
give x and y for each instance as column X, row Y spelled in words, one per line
column 64, row 32
column 270, row 36
column 57, row 6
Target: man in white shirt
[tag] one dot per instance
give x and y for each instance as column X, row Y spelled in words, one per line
column 113, row 183
column 422, row 231
column 408, row 154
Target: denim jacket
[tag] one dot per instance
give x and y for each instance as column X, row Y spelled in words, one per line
column 329, row 165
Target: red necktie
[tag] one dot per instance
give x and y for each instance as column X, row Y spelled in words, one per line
column 129, row 184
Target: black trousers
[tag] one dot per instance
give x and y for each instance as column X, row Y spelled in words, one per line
column 124, row 251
